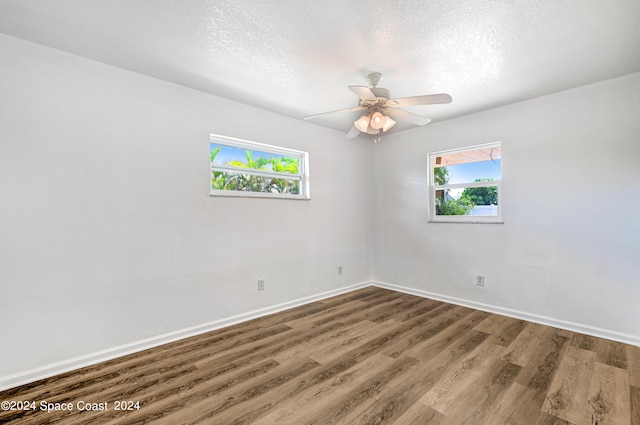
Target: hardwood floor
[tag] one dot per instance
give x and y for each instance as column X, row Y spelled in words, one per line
column 371, row 356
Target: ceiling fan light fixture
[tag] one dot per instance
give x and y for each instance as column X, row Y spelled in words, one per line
column 362, row 123
column 388, row 123
column 378, row 120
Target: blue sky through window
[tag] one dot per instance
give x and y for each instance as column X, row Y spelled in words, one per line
column 469, row 172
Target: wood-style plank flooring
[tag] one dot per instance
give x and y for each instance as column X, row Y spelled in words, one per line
column 371, row 356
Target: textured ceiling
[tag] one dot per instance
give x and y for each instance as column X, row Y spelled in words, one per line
column 296, row 57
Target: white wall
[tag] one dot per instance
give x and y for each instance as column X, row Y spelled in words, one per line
column 107, row 233
column 568, row 252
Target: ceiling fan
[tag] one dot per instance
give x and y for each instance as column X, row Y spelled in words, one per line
column 380, row 108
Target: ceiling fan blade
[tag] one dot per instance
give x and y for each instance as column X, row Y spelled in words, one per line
column 357, row 108
column 353, row 133
column 407, row 116
column 427, row 99
column 363, row 92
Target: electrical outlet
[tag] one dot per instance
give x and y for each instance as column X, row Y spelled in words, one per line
column 480, row 280
column 260, row 284
column 339, row 269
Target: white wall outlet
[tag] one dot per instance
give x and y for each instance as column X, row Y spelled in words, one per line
column 480, row 280
column 339, row 269
column 260, row 284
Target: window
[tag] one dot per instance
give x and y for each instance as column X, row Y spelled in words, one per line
column 243, row 168
column 464, row 185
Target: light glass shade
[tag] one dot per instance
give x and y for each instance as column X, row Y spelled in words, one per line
column 388, row 124
column 362, row 123
column 377, row 120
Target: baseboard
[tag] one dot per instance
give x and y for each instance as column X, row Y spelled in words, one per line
column 543, row 320
column 46, row 371
column 32, row 375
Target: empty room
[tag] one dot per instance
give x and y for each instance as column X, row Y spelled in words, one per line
column 320, row 212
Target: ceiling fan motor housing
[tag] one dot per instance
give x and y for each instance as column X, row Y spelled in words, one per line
column 382, row 96
column 380, row 92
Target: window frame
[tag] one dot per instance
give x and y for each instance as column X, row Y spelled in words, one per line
column 470, row 219
column 302, row 176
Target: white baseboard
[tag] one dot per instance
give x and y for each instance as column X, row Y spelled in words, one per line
column 543, row 320
column 46, row 371
column 53, row 369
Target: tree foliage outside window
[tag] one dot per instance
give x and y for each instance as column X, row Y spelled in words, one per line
column 237, row 167
column 441, row 175
column 445, row 204
column 253, row 183
column 465, row 184
column 482, row 195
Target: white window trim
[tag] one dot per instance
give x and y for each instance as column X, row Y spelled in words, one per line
column 470, row 219
column 302, row 176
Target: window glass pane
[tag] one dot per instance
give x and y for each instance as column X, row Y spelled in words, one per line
column 465, row 184
column 254, row 159
column 470, row 201
column 252, row 183
column 245, row 168
column 467, row 166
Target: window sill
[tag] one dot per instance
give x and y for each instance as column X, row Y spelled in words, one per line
column 244, row 194
column 468, row 221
